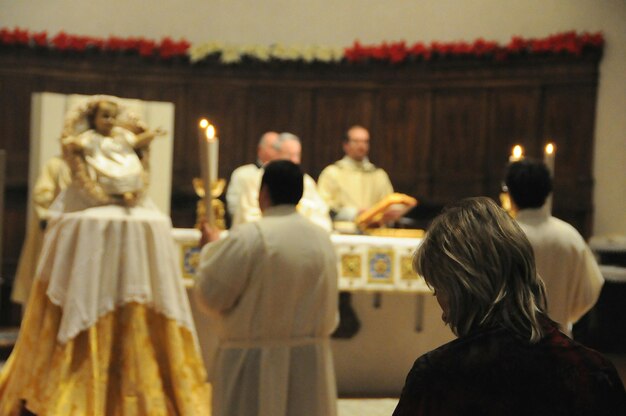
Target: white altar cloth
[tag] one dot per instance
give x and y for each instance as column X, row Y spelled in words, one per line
column 364, row 263
column 99, row 258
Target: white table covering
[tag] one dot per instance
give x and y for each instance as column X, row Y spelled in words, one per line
column 102, row 257
column 365, row 263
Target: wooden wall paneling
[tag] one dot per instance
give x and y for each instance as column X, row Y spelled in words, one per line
column 569, row 116
column 79, row 83
column 514, row 118
column 13, row 229
column 569, row 122
column 404, row 135
column 334, row 111
column 15, row 128
column 281, row 109
column 458, row 144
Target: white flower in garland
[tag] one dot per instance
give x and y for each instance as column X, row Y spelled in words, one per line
column 231, row 54
column 327, row 54
column 308, row 54
column 199, row 52
column 262, row 53
column 285, row 53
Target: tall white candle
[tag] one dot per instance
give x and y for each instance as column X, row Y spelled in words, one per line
column 517, row 153
column 548, row 157
column 211, row 155
column 203, row 151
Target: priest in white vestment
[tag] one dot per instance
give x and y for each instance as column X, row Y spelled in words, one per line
column 312, row 205
column 353, row 184
column 273, row 285
column 267, row 150
column 564, row 261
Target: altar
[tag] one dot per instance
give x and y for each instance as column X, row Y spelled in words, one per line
column 399, row 317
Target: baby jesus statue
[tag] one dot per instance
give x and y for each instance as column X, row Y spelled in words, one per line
column 109, row 160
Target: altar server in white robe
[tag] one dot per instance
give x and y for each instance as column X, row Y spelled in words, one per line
column 54, row 177
column 312, row 205
column 273, row 286
column 564, row 261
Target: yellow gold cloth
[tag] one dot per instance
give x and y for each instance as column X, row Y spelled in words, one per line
column 132, row 361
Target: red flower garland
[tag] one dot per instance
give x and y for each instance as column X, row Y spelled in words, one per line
column 166, row 49
column 569, row 43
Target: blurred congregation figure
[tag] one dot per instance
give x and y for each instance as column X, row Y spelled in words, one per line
column 564, row 261
column 353, row 184
column 509, row 358
column 272, row 284
column 266, row 152
column 54, row 177
column 311, row 206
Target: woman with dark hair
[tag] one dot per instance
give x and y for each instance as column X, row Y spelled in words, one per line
column 509, row 358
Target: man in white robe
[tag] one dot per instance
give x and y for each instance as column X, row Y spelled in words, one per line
column 311, row 206
column 273, row 286
column 564, row 261
column 353, row 184
column 266, row 151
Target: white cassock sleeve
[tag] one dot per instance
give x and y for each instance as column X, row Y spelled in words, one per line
column 224, row 268
column 588, row 283
column 248, row 209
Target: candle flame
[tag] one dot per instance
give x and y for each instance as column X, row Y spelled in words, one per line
column 210, row 132
column 518, row 152
column 203, row 123
column 550, row 148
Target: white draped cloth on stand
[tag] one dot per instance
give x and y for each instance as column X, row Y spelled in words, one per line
column 92, row 282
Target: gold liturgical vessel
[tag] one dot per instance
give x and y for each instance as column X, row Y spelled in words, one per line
column 217, row 206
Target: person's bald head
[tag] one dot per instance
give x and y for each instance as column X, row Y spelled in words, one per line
column 266, row 150
column 289, row 147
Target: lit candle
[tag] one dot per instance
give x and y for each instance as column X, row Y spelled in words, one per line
column 203, row 153
column 548, row 157
column 517, row 153
column 214, row 148
column 202, row 125
column 211, row 152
